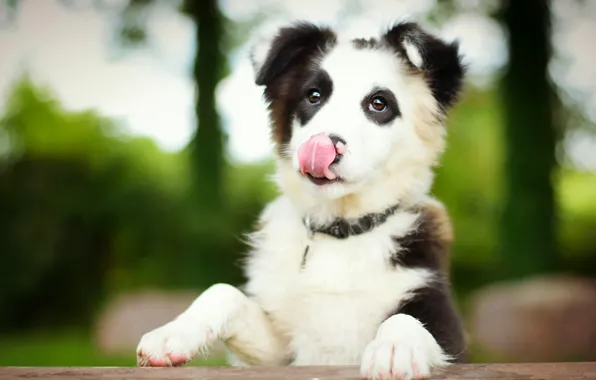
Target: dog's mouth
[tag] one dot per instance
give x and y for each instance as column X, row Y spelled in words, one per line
column 317, row 155
column 323, row 180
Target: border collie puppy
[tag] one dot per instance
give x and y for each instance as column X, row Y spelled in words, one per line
column 349, row 266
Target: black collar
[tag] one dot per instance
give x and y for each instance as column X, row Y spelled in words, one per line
column 342, row 228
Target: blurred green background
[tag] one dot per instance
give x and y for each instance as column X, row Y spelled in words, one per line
column 90, row 211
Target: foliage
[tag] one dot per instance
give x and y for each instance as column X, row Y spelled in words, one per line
column 470, row 182
column 87, row 209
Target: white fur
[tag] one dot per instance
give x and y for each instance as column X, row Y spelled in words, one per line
column 413, row 54
column 403, row 349
column 328, row 311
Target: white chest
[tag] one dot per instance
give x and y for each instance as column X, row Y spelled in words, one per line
column 330, row 303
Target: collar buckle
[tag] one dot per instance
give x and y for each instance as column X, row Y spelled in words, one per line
column 309, row 228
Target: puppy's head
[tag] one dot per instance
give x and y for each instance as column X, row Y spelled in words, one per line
column 350, row 114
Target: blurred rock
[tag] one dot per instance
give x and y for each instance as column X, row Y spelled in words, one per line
column 540, row 319
column 129, row 316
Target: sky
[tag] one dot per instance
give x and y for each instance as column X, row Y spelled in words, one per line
column 150, row 91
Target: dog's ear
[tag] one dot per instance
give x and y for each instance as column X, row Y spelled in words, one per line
column 293, row 44
column 440, row 61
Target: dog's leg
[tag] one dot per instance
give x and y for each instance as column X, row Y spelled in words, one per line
column 221, row 312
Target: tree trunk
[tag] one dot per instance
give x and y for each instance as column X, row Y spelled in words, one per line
column 528, row 220
column 207, row 144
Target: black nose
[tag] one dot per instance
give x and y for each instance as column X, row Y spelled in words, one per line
column 335, row 139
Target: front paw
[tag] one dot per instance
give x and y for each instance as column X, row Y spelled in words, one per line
column 174, row 344
column 403, row 349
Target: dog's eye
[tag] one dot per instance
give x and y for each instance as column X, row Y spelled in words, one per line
column 313, row 96
column 377, row 104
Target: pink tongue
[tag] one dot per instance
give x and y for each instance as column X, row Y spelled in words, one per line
column 316, row 155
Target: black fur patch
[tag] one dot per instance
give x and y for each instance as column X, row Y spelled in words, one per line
column 432, row 305
column 288, row 67
column 388, row 114
column 324, row 85
column 442, row 64
column 424, row 247
column 293, row 45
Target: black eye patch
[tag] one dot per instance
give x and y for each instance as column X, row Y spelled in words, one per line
column 321, row 85
column 380, row 106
